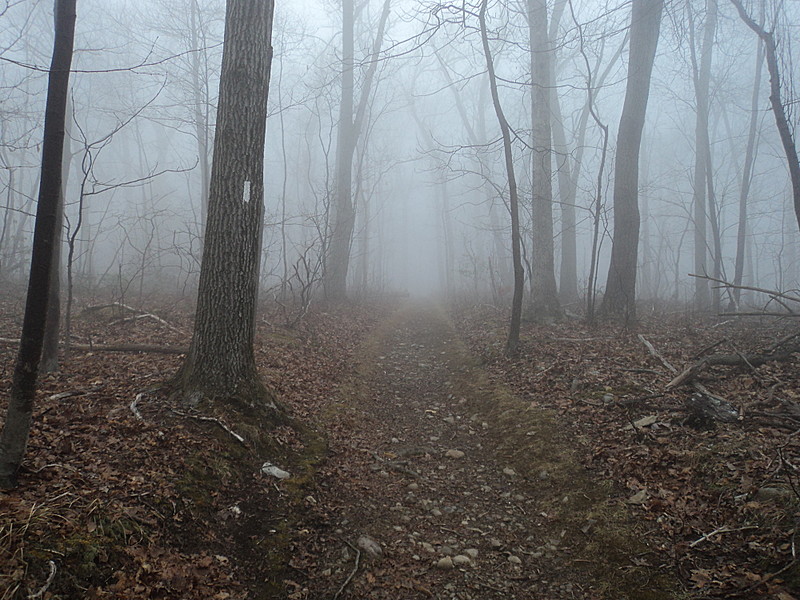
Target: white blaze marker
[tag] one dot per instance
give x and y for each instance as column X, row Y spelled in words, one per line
column 246, row 193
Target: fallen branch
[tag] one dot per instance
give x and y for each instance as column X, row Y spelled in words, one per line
column 133, row 348
column 352, row 573
column 98, row 307
column 227, row 429
column 150, row 316
column 729, row 360
column 718, row 530
column 718, row 405
column 656, row 353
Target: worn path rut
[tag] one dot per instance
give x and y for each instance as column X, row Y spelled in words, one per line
column 469, row 492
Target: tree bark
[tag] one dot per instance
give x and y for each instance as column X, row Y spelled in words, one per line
column 619, row 301
column 16, row 429
column 221, row 363
column 544, row 293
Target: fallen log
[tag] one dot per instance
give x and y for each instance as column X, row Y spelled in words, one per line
column 130, row 348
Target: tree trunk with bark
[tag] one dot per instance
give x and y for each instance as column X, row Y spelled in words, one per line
column 544, row 293
column 619, row 301
column 16, row 429
column 221, row 363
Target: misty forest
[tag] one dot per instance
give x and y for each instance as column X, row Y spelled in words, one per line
column 399, row 299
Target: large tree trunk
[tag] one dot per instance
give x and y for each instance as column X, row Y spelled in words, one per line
column 619, row 301
column 221, row 363
column 544, row 293
column 778, row 110
column 16, row 429
column 512, row 343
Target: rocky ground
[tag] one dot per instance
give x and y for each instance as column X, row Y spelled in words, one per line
column 442, row 484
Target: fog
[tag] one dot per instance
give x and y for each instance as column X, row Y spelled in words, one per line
column 430, row 189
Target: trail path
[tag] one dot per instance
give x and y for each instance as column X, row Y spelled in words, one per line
column 469, row 492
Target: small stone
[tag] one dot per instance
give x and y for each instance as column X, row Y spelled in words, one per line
column 413, row 486
column 454, row 454
column 495, row 544
column 370, row 547
column 436, row 512
column 445, row 563
column 450, row 420
column 509, row 471
column 485, row 425
column 471, row 552
column 428, row 547
column 543, row 475
column 608, row 397
column 395, row 441
column 514, row 560
column 446, row 550
column 646, row 421
column 639, row 497
column 269, row 469
column 461, row 560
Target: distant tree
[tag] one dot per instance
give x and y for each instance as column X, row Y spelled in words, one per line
column 544, row 293
column 16, row 429
column 220, row 364
column 512, row 343
column 747, row 178
column 351, row 125
column 619, row 301
column 701, row 76
column 778, row 109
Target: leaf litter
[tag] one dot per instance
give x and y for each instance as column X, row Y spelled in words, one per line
column 580, row 477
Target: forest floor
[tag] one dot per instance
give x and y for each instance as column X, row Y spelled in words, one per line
column 434, row 467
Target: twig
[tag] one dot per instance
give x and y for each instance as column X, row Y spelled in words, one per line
column 47, row 583
column 723, row 529
column 134, row 408
column 352, row 573
column 227, row 429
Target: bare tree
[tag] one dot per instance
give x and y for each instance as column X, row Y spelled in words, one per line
column 778, row 109
column 544, row 293
column 512, row 343
column 619, row 301
column 16, row 429
column 351, row 124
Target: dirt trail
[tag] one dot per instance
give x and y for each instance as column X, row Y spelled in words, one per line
column 470, row 492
